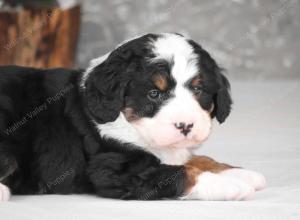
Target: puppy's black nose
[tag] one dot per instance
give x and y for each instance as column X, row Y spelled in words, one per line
column 184, row 128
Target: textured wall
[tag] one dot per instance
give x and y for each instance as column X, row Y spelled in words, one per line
column 250, row 38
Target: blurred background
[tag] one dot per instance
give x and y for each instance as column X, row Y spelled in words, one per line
column 258, row 42
column 250, row 38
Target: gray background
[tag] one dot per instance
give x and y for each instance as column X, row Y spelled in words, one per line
column 251, row 39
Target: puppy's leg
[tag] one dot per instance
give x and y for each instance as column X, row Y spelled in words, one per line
column 8, row 165
column 210, row 180
column 135, row 176
column 143, row 177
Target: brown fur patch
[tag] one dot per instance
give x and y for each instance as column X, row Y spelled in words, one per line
column 129, row 114
column 211, row 108
column 191, row 177
column 195, row 166
column 204, row 163
column 161, row 82
column 196, row 81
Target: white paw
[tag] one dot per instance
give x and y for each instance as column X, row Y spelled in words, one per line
column 4, row 193
column 256, row 180
column 211, row 186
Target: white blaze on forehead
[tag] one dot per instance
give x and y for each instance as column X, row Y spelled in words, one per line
column 180, row 53
column 176, row 49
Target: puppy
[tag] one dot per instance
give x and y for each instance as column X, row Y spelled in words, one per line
column 124, row 128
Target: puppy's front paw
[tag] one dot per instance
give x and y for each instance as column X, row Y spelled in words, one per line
column 256, row 180
column 211, row 186
column 210, row 180
column 4, row 193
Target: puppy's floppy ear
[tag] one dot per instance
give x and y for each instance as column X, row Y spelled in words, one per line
column 222, row 99
column 105, row 88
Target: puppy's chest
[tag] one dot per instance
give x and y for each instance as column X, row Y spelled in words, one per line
column 172, row 156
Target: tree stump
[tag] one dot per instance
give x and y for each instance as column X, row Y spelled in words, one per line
column 39, row 37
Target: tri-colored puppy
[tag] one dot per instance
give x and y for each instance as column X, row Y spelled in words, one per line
column 124, row 128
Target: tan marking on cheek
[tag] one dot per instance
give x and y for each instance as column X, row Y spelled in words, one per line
column 211, row 108
column 129, row 114
column 161, row 82
column 199, row 164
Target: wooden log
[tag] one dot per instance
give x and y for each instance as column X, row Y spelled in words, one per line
column 39, row 37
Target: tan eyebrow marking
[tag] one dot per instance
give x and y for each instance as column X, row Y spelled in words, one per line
column 161, row 82
column 196, row 81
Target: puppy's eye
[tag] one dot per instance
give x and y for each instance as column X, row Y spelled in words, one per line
column 153, row 94
column 196, row 89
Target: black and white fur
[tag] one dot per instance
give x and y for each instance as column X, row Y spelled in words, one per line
column 68, row 131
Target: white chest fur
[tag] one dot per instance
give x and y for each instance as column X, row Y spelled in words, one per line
column 175, row 156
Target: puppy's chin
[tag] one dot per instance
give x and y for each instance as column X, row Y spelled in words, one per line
column 179, row 144
column 183, row 143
